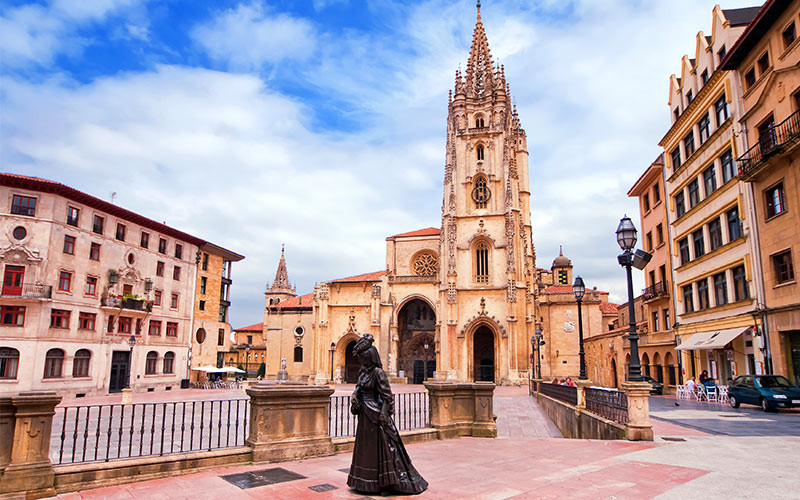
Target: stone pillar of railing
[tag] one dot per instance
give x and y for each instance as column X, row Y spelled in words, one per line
column 289, row 421
column 582, row 385
column 30, row 471
column 639, row 428
column 462, row 409
column 7, row 411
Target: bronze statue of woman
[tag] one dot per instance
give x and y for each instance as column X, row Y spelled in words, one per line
column 380, row 461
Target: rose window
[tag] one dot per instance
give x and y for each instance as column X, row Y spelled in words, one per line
column 426, row 264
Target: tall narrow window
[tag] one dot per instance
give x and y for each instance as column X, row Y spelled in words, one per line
column 656, row 194
column 94, row 251
column 97, row 224
column 480, row 193
column 91, row 286
column 699, row 243
column 72, row 216
column 702, row 294
column 676, row 158
column 782, row 267
column 703, row 125
column 64, row 281
column 480, row 152
column 203, row 284
column 720, row 289
column 144, row 242
column 688, row 303
column 721, row 110
column 683, row 248
column 734, row 224
column 774, row 197
column 688, row 144
column 221, row 336
column 162, row 245
column 169, row 362
column 151, row 363
column 80, row 363
column 482, row 262
column 121, row 230
column 741, row 290
column 728, row 172
column 298, row 354
column 709, row 180
column 178, row 251
column 715, row 234
column 680, row 205
column 205, row 262
column 694, row 193
column 69, row 245
column 53, row 363
column 788, row 35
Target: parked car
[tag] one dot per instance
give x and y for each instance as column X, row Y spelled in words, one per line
column 768, row 391
column 656, row 387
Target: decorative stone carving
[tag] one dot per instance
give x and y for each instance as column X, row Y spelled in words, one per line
column 511, row 291
column 376, row 291
column 452, row 294
column 351, row 323
column 324, row 292
column 19, row 254
column 425, row 264
column 569, row 326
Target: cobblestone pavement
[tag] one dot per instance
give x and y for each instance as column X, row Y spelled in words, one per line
column 519, row 416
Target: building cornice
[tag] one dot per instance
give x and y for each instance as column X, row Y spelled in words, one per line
column 680, row 123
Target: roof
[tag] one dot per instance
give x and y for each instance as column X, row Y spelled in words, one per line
column 743, row 16
column 762, row 19
column 608, row 308
column 558, row 289
column 376, row 276
column 428, row 231
column 302, row 301
column 644, row 182
column 222, row 252
column 258, row 327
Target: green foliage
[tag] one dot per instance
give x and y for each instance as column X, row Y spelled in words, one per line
column 262, row 370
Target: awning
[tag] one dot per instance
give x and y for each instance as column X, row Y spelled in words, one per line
column 710, row 340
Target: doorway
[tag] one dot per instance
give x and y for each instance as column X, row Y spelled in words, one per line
column 120, row 364
column 12, row 280
column 416, row 349
column 483, row 355
column 351, row 365
column 794, row 344
column 614, row 373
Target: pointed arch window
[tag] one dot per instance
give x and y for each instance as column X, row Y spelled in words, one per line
column 480, row 192
column 480, row 152
column 482, row 262
column 479, row 123
column 298, row 354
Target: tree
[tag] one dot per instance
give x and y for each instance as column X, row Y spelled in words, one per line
column 262, row 369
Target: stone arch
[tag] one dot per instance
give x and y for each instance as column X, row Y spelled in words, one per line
column 416, row 324
column 614, row 378
column 657, row 368
column 343, row 360
column 483, row 342
column 645, row 363
column 669, row 365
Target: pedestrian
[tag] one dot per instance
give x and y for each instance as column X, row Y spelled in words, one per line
column 691, row 385
column 704, row 378
column 570, row 382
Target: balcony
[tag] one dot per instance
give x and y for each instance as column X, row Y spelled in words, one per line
column 656, row 291
column 774, row 141
column 31, row 291
column 129, row 304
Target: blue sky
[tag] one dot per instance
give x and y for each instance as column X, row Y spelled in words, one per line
column 320, row 123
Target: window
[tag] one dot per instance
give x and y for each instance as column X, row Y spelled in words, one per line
column 203, row 283
column 734, row 224
column 91, row 286
column 676, row 113
column 157, row 298
column 704, row 76
column 715, row 234
column 97, row 224
column 223, row 313
column 176, row 273
column 763, row 63
column 80, row 363
column 655, row 321
column 649, row 238
column 23, row 205
column 666, row 318
column 646, row 202
column 688, row 144
column 86, row 321
column 680, row 206
column 480, row 152
column 656, row 194
column 703, row 125
column 169, row 362
column 750, row 77
column 767, row 138
column 162, row 245
column 709, row 180
column 728, row 172
column 788, row 35
column 702, row 294
column 683, row 246
column 72, row 216
column 19, row 233
column 151, row 363
column 662, row 272
column 69, row 245
column 676, row 158
column 298, row 354
column 721, row 54
column 688, row 304
column 249, row 339
column 121, row 229
column 720, row 289
column 782, row 266
column 482, row 262
column 172, row 329
column 689, row 97
column 221, row 337
column 53, row 363
column 741, row 290
column 110, row 327
column 480, row 193
column 721, row 110
column 124, row 325
column 173, row 301
column 699, row 243
column 479, row 121
column 144, row 241
column 202, row 305
column 154, row 328
column 775, row 199
column 94, row 251
column 694, row 193
column 178, row 251
column 159, row 268
column 12, row 315
column 205, row 262
column 659, row 234
column 64, row 281
column 9, row 362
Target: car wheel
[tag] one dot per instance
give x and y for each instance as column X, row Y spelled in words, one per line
column 764, row 405
column 733, row 401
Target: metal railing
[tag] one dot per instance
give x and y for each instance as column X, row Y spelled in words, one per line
column 563, row 393
column 130, row 304
column 660, row 289
column 770, row 142
column 607, row 403
column 108, row 432
column 411, row 411
column 28, row 291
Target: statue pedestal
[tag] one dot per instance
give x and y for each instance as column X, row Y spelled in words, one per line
column 127, row 396
column 639, row 428
column 283, row 376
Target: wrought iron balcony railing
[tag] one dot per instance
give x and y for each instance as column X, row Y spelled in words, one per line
column 654, row 291
column 27, row 291
column 773, row 140
column 130, row 304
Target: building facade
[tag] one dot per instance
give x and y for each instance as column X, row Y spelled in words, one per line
column 765, row 60
column 715, row 284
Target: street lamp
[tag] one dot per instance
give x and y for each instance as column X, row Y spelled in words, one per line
column 425, row 371
column 536, row 343
column 579, row 289
column 131, row 342
column 626, row 238
column 247, row 362
column 333, row 350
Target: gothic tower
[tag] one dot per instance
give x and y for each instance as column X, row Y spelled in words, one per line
column 487, row 301
column 280, row 289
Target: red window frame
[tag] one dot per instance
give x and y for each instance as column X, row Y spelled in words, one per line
column 178, row 251
column 94, row 251
column 124, row 324
column 87, row 321
column 13, row 280
column 162, row 245
column 154, row 328
column 9, row 363
column 173, row 301
column 157, row 298
column 169, row 362
column 69, row 244
column 110, row 327
column 151, row 363
column 144, row 241
column 72, row 215
column 176, row 273
column 98, row 224
column 64, row 281
column 80, row 363
column 12, row 315
column 91, row 286
column 121, row 231
column 172, row 329
column 59, row 318
column 23, row 205
column 54, row 363
column 159, row 268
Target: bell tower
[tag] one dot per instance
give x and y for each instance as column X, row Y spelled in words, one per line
column 487, row 255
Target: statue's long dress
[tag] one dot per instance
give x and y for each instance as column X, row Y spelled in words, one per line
column 380, row 461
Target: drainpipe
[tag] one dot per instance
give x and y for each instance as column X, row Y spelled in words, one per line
column 191, row 316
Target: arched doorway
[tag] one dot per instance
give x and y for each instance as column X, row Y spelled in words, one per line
column 351, row 365
column 483, row 354
column 416, row 325
column 614, row 373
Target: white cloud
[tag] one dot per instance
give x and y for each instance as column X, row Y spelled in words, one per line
column 249, row 36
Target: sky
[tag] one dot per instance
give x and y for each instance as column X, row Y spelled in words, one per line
column 320, row 124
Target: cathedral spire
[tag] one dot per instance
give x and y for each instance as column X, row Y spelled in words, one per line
column 281, row 282
column 480, row 68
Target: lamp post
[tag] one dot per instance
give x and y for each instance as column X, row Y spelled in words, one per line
column 247, row 362
column 626, row 238
column 333, row 350
column 578, row 288
column 131, row 343
column 425, row 370
column 536, row 345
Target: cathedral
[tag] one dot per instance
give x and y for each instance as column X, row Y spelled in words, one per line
column 458, row 302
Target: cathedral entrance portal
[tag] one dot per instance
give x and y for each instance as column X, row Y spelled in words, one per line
column 416, row 324
column 483, row 355
column 351, row 365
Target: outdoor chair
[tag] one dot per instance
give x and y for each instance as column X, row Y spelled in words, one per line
column 680, row 392
column 723, row 394
column 711, row 394
column 700, row 393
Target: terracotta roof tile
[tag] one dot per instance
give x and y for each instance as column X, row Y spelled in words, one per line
column 558, row 289
column 252, row 328
column 428, row 231
column 608, row 308
column 376, row 276
column 306, row 300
